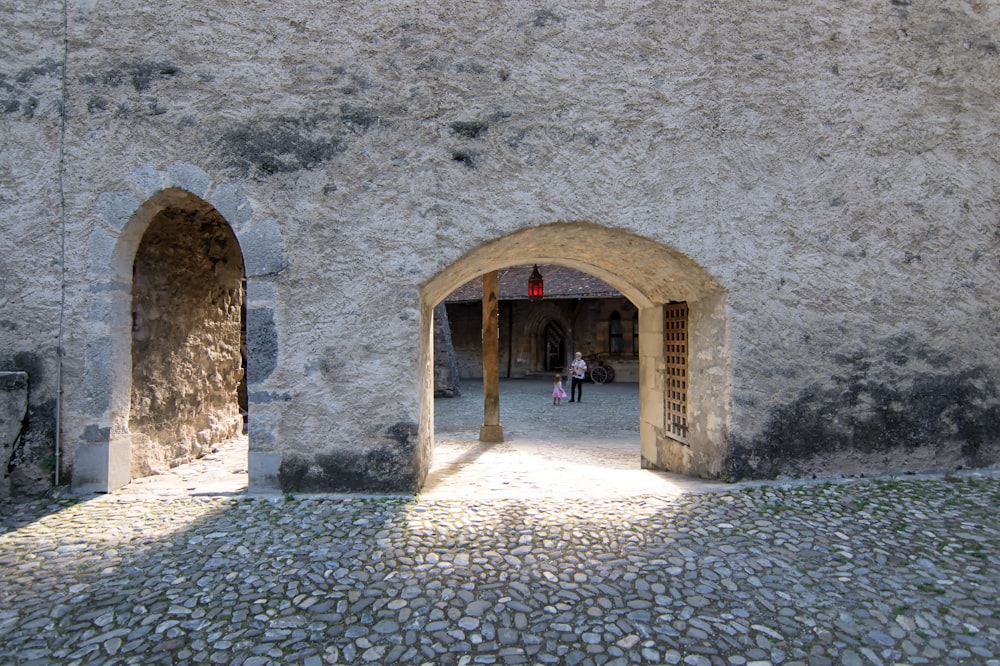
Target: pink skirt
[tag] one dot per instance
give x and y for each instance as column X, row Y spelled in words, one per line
column 557, row 392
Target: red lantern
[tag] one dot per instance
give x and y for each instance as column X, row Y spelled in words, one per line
column 536, row 288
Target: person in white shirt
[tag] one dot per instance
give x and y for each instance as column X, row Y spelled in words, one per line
column 578, row 371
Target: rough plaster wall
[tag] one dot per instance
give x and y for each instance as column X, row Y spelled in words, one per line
column 186, row 367
column 30, row 112
column 832, row 165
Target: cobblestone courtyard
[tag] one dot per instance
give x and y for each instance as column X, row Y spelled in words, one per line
column 870, row 571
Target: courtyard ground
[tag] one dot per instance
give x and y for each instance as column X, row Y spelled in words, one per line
column 552, row 548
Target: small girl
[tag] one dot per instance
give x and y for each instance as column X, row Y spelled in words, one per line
column 557, row 391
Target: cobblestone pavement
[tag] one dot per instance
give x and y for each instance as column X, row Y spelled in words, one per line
column 181, row 571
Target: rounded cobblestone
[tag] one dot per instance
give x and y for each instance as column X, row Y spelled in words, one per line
column 867, row 572
column 530, row 552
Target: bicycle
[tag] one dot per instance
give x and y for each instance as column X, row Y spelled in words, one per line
column 598, row 371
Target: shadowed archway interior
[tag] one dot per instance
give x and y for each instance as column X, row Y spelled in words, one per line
column 183, row 379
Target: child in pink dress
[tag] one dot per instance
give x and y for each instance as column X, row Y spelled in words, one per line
column 557, row 391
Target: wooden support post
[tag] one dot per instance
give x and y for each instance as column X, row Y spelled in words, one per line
column 491, row 430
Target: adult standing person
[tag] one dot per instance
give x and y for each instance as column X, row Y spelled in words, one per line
column 578, row 371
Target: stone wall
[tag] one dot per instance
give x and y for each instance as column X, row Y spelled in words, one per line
column 447, row 381
column 822, row 178
column 30, row 224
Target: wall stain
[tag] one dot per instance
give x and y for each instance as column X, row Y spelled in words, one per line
column 375, row 470
column 359, row 119
column 889, row 401
column 469, row 129
column 32, row 455
column 18, row 87
column 378, row 469
column 284, row 144
column 45, row 67
column 32, row 460
column 142, row 74
column 403, row 433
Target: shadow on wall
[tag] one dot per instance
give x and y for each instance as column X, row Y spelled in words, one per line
column 27, row 430
column 874, row 418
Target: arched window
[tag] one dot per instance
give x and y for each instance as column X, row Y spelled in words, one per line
column 616, row 344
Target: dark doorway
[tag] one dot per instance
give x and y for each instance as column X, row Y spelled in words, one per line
column 187, row 339
column 555, row 347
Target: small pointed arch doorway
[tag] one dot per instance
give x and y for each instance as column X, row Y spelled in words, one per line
column 181, row 361
column 650, row 276
column 554, row 344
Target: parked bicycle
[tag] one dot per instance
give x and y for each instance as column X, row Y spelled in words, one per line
column 598, row 371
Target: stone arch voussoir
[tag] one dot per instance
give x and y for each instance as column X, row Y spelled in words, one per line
column 102, row 464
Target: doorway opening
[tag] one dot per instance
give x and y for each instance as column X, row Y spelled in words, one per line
column 187, row 397
column 554, row 341
column 649, row 276
column 536, row 344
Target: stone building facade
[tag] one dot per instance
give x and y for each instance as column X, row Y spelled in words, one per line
column 816, row 182
column 535, row 338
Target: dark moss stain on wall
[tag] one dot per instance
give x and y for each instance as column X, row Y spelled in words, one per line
column 891, row 400
column 28, row 362
column 403, row 433
column 379, row 469
column 142, row 75
column 285, row 144
column 20, row 91
column 469, row 129
column 38, row 434
column 126, row 89
column 33, row 459
column 360, row 119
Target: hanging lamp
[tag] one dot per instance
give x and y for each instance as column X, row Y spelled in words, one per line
column 536, row 286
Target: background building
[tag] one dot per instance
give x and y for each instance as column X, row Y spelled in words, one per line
column 579, row 313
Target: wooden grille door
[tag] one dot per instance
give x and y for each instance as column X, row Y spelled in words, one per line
column 676, row 355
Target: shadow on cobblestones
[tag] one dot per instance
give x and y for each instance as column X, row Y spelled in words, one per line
column 881, row 572
column 874, row 572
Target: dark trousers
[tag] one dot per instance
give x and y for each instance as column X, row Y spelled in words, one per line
column 576, row 390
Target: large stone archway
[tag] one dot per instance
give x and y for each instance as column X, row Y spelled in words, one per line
column 651, row 276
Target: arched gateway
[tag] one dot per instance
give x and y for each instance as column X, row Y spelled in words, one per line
column 177, row 334
column 683, row 377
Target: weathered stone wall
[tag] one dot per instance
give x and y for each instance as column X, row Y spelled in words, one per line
column 13, row 417
column 831, row 165
column 447, row 382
